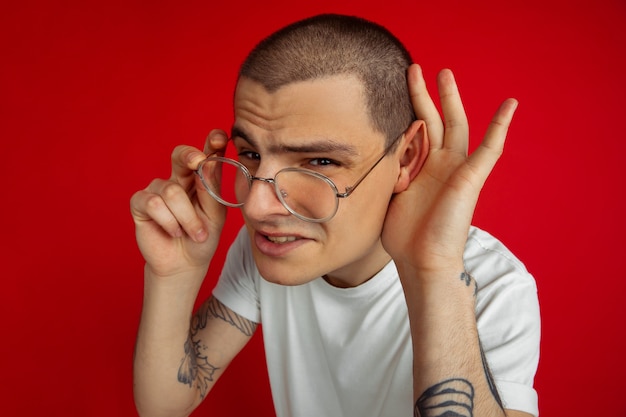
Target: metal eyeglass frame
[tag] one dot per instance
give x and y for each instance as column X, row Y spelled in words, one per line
column 349, row 190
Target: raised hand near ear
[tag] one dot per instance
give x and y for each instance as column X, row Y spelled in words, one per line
column 427, row 224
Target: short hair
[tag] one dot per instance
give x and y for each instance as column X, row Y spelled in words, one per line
column 328, row 45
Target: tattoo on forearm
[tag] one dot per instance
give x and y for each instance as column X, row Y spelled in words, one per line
column 455, row 397
column 490, row 380
column 468, row 279
column 195, row 369
column 450, row 398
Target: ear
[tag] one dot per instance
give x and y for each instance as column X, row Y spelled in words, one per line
column 412, row 154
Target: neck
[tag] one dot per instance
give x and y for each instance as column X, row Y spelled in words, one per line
column 360, row 271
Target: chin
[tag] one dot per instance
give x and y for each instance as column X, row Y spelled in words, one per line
column 285, row 282
column 284, row 275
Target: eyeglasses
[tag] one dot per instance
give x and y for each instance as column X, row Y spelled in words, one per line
column 308, row 195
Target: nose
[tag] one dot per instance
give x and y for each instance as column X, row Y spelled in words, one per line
column 262, row 201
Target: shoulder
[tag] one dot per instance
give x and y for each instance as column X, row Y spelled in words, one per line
column 237, row 287
column 488, row 259
column 507, row 306
column 240, row 254
column 507, row 292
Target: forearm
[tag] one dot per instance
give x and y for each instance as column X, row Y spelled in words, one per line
column 449, row 372
column 160, row 348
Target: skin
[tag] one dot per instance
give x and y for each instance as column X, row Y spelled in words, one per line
column 435, row 185
column 315, row 114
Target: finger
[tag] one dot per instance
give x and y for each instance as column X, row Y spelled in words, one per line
column 185, row 160
column 484, row 158
column 423, row 105
column 149, row 207
column 216, row 142
column 456, row 137
column 170, row 203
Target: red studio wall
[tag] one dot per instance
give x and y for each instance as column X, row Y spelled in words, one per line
column 95, row 95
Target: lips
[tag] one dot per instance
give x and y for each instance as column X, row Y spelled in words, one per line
column 276, row 245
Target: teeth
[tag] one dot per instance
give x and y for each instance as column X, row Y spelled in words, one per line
column 281, row 239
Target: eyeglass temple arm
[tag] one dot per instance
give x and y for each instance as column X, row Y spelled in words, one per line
column 350, row 190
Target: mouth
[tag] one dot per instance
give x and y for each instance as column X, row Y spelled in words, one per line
column 281, row 239
column 278, row 245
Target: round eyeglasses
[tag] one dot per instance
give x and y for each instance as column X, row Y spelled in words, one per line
column 308, row 195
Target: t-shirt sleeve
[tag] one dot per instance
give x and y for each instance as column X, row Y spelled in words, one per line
column 238, row 282
column 507, row 313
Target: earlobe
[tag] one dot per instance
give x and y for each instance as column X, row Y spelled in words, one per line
column 413, row 152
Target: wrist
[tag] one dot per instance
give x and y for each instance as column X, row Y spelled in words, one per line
column 186, row 274
column 433, row 272
column 178, row 284
column 451, row 283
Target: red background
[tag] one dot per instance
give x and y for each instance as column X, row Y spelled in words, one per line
column 94, row 96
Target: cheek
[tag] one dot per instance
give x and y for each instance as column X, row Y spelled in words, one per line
column 360, row 219
column 370, row 206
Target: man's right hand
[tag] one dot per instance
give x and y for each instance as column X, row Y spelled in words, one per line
column 177, row 223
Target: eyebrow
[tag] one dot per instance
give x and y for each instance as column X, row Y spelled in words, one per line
column 313, row 146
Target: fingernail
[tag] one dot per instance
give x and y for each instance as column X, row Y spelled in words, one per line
column 178, row 232
column 218, row 141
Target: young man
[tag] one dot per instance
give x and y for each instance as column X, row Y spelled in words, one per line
column 376, row 295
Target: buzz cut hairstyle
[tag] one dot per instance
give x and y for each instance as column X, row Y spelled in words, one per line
column 330, row 45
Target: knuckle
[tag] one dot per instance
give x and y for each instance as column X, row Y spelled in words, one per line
column 134, row 199
column 136, row 203
column 154, row 203
column 179, row 154
column 178, row 150
column 171, row 190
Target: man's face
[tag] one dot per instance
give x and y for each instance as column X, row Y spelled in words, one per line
column 320, row 125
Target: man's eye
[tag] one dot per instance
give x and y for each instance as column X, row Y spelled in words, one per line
column 320, row 162
column 249, row 156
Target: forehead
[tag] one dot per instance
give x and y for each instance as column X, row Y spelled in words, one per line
column 332, row 107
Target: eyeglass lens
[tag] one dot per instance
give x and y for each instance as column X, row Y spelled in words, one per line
column 303, row 193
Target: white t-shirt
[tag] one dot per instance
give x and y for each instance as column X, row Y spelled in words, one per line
column 334, row 352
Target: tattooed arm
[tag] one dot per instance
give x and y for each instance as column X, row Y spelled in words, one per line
column 178, row 227
column 425, row 232
column 452, row 374
column 203, row 363
column 178, row 360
